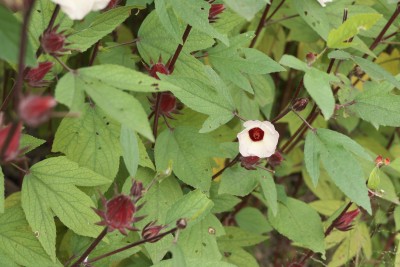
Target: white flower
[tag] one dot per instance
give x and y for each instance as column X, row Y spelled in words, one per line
column 323, row 2
column 78, row 9
column 258, row 139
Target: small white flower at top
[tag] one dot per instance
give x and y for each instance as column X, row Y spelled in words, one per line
column 78, row 9
column 323, row 2
column 259, row 138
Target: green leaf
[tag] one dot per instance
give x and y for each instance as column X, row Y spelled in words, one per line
column 50, row 190
column 10, row 32
column 194, row 206
column 338, row 38
column 232, row 66
column 318, row 86
column 222, row 202
column 236, row 237
column 377, row 107
column 92, row 140
column 396, row 215
column 335, row 151
column 374, row 179
column 29, row 143
column 240, row 257
column 246, row 8
column 252, row 220
column 130, row 150
column 300, row 223
column 294, row 63
column 2, row 191
column 19, row 243
column 268, row 190
column 102, row 25
column 185, row 147
column 238, row 181
column 375, row 71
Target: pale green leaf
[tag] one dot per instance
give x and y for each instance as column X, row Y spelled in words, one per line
column 268, row 189
column 240, row 257
column 246, row 8
column 300, row 223
column 130, row 150
column 50, row 190
column 252, row 220
column 92, row 140
column 234, row 183
column 29, row 142
column 236, row 237
column 294, row 63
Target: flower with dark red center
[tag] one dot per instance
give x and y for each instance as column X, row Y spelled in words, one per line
column 35, row 76
column 34, row 110
column 250, row 162
column 12, row 150
column 54, row 43
column 215, row 10
column 300, row 104
column 344, row 223
column 276, row 159
column 151, row 230
column 258, row 139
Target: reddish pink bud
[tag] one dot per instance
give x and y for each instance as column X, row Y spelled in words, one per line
column 151, row 230
column 215, row 10
column 300, row 104
column 137, row 190
column 310, row 58
column 53, row 43
column 344, row 223
column 276, row 159
column 35, row 76
column 387, row 161
column 249, row 162
column 168, row 104
column 118, row 214
column 379, row 161
column 12, row 150
column 34, row 110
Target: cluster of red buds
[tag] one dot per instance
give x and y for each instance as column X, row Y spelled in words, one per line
column 215, row 10
column 344, row 223
column 379, row 161
column 53, row 42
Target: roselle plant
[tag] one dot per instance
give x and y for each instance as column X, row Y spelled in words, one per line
column 199, row 133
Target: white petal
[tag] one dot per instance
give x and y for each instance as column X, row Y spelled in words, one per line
column 75, row 9
column 100, row 4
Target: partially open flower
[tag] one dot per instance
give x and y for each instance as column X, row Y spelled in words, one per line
column 54, row 42
column 35, row 76
column 77, row 10
column 344, row 223
column 258, row 139
column 12, row 150
column 151, row 230
column 34, row 110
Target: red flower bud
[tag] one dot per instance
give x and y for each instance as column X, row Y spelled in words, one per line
column 158, row 67
column 35, row 110
column 12, row 150
column 137, row 190
column 344, row 223
column 249, row 162
column 387, row 161
column 310, row 58
column 215, row 10
column 151, row 230
column 53, row 43
column 300, row 104
column 35, row 76
column 276, row 159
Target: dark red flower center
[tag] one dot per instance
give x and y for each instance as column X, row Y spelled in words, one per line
column 256, row 134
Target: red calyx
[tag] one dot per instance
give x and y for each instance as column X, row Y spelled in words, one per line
column 12, row 150
column 250, row 162
column 35, row 76
column 215, row 10
column 275, row 159
column 53, row 43
column 151, row 230
column 256, row 134
column 34, row 110
column 344, row 223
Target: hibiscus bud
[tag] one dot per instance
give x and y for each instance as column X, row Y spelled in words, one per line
column 344, row 223
column 137, row 190
column 53, row 43
column 300, row 104
column 310, row 58
column 387, row 161
column 379, row 160
column 181, row 223
column 118, row 214
column 12, row 149
column 151, row 230
column 34, row 110
column 158, row 67
column 249, row 162
column 168, row 104
column 276, row 159
column 35, row 76
column 215, row 10
column 112, row 4
column 258, row 139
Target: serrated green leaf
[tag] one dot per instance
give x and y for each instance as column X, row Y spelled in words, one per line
column 268, row 190
column 300, row 223
column 294, row 63
column 246, row 8
column 236, row 237
column 377, row 107
column 130, row 150
column 92, row 140
column 29, row 142
column 10, row 31
column 184, row 146
column 222, row 202
column 19, row 243
column 335, row 150
column 318, row 86
column 102, row 25
column 240, row 257
column 194, row 206
column 50, row 190
column 252, row 220
column 337, row 37
column 238, row 181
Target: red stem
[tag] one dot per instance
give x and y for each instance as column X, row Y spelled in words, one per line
column 260, row 24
